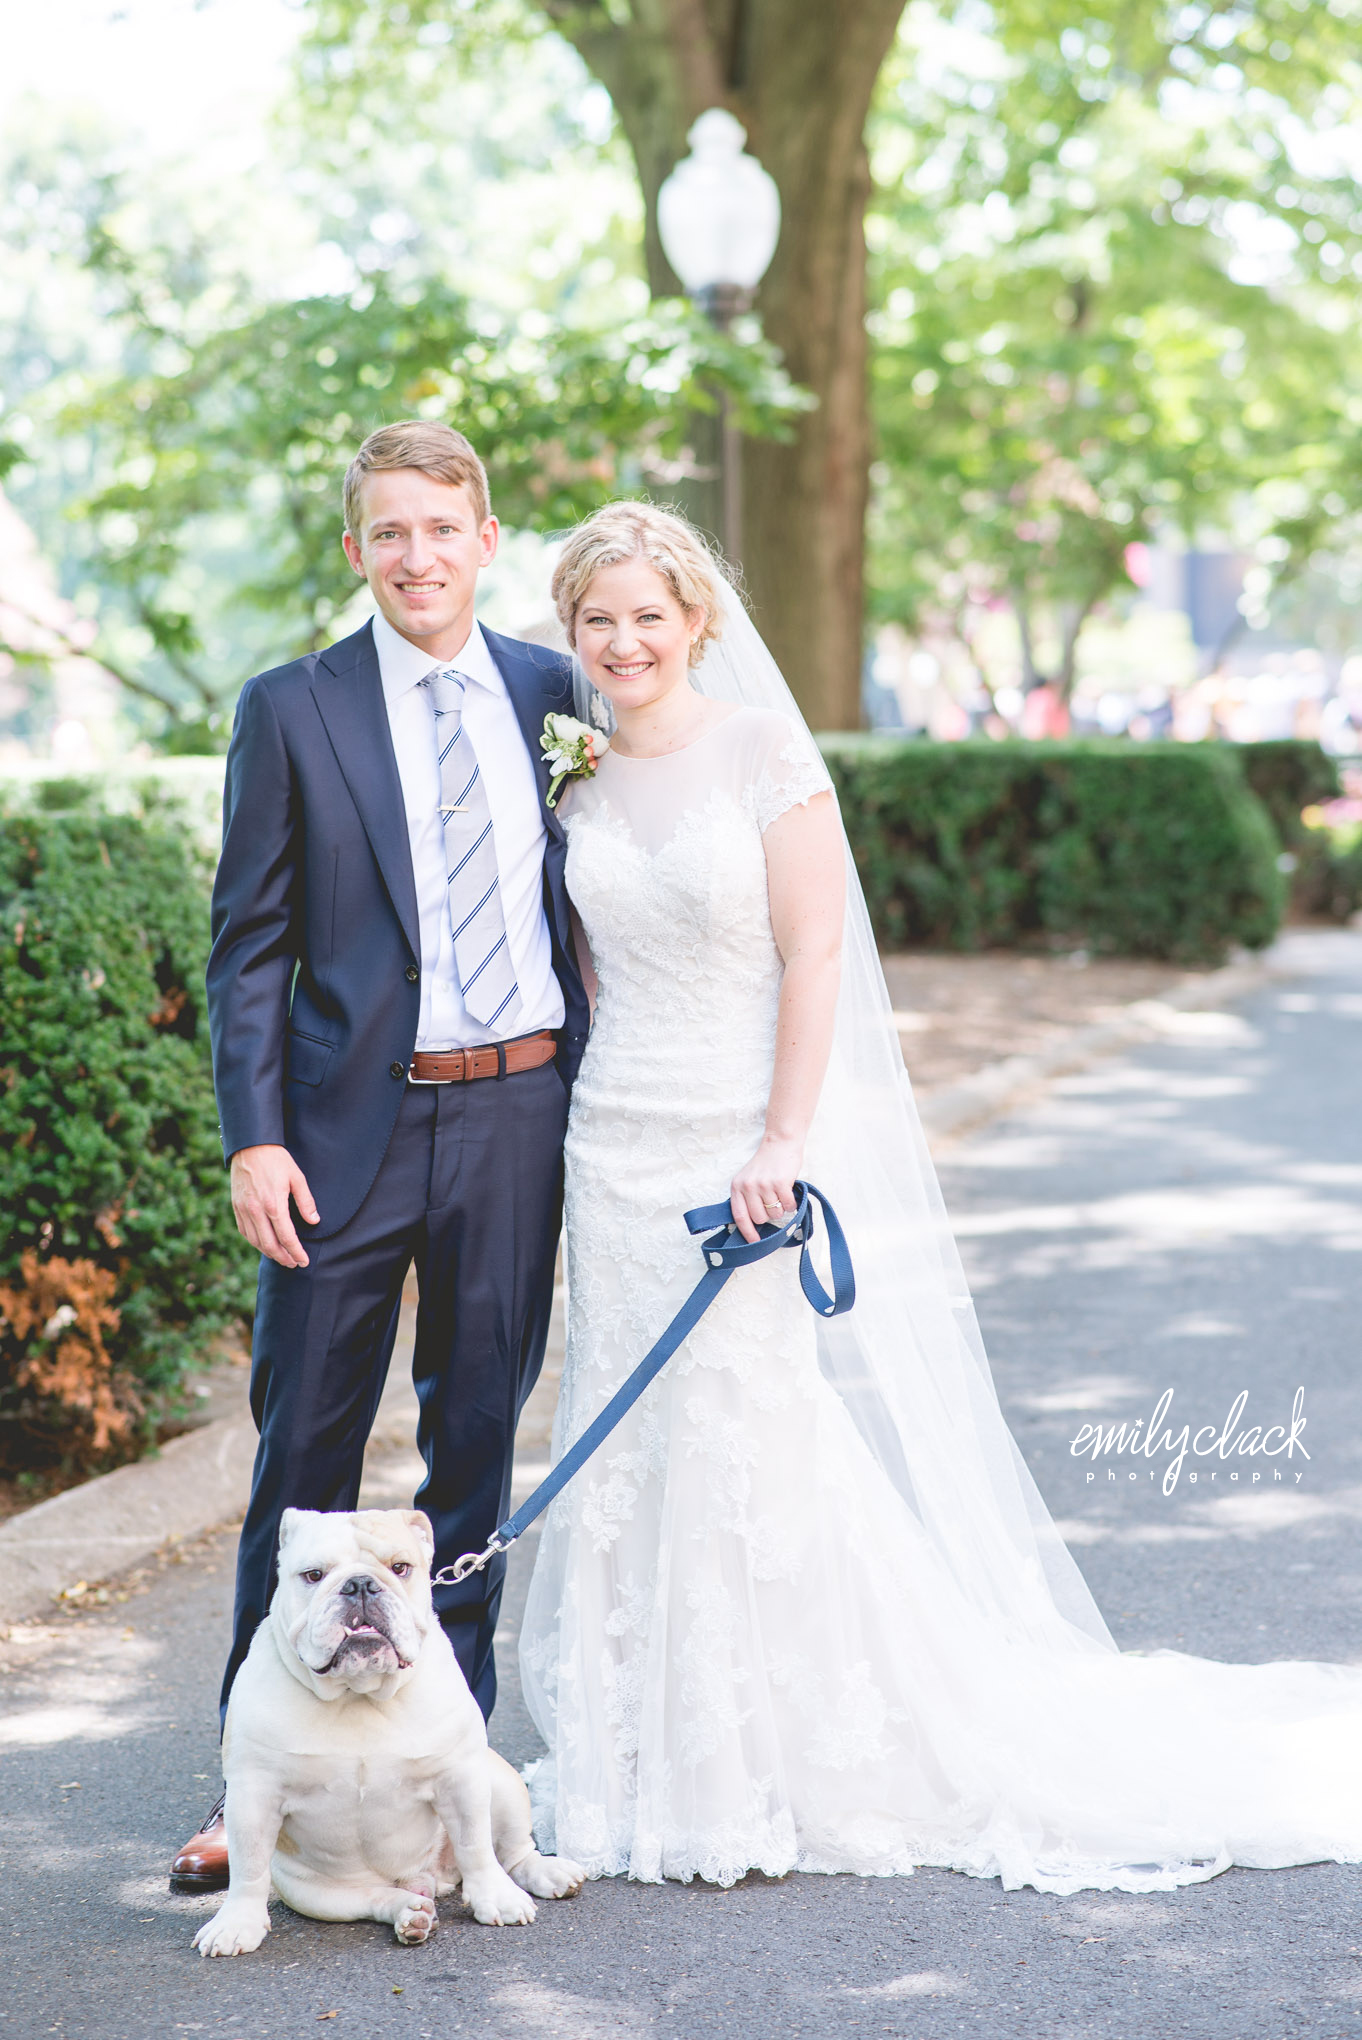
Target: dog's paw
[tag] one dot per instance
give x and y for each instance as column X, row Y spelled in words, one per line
column 549, row 1876
column 495, row 1901
column 416, row 1922
column 233, row 1930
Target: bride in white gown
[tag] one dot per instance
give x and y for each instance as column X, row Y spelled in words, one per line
column 805, row 1609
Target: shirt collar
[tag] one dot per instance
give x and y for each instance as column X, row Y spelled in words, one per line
column 403, row 665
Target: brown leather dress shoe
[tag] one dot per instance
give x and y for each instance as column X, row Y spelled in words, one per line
column 202, row 1863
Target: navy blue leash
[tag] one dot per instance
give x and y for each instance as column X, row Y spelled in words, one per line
column 725, row 1251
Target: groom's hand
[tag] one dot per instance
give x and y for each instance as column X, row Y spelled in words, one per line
column 263, row 1180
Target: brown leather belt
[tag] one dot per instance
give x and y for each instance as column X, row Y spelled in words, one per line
column 497, row 1059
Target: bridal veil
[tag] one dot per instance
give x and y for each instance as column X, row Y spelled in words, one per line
column 1076, row 1765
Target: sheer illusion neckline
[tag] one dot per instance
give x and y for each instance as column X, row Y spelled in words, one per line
column 658, row 757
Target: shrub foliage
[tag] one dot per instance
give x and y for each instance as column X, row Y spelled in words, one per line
column 1290, row 775
column 1137, row 850
column 120, row 1254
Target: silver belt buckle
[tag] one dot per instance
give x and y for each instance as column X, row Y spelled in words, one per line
column 435, row 1082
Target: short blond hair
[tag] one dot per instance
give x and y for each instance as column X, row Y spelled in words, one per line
column 640, row 531
column 437, row 450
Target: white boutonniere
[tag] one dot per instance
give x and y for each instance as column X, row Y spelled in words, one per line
column 572, row 750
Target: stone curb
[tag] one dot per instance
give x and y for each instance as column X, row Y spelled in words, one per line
column 203, row 1479
column 958, row 1108
column 118, row 1519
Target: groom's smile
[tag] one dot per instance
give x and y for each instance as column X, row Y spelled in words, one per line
column 420, row 546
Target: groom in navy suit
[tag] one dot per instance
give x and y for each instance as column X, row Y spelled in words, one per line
column 397, row 1017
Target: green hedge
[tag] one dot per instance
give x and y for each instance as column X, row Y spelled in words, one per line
column 120, row 1255
column 1125, row 849
column 1328, row 878
column 1288, row 776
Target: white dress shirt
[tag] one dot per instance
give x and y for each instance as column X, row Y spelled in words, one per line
column 517, row 830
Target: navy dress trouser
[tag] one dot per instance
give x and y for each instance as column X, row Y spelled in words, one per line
column 470, row 1189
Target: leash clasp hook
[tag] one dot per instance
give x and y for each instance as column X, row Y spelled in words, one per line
column 471, row 1562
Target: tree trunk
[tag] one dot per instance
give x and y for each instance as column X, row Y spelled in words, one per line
column 799, row 75
column 1073, row 621
column 1031, row 675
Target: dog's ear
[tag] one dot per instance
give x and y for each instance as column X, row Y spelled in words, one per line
column 293, row 1520
column 419, row 1522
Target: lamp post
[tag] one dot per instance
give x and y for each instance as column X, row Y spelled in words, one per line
column 718, row 216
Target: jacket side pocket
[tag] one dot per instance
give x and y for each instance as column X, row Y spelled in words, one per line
column 308, row 1056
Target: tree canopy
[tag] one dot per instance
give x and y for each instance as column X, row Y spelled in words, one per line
column 1116, row 274
column 255, row 424
column 216, row 414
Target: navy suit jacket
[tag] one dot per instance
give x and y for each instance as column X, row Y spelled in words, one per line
column 314, row 987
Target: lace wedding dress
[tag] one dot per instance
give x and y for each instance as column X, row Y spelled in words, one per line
column 764, row 1632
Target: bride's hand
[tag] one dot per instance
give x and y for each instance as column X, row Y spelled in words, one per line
column 763, row 1190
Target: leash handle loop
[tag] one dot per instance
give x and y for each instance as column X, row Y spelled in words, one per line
column 730, row 1249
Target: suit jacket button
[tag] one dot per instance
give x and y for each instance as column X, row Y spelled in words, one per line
column 412, row 974
column 396, row 1069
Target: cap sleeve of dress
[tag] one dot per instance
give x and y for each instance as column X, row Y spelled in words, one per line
column 786, row 769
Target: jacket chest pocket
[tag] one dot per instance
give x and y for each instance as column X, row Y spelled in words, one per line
column 308, row 1056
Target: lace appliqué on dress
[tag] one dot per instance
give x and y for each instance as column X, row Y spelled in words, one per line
column 791, row 779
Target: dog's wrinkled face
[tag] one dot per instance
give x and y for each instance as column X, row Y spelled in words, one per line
column 353, row 1605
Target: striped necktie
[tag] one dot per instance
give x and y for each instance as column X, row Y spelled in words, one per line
column 482, row 956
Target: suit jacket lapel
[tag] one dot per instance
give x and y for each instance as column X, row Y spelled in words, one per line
column 534, row 690
column 348, row 691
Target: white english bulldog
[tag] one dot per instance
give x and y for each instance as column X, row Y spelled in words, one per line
column 359, row 1781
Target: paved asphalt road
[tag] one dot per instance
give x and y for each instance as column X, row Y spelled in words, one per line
column 1189, row 1217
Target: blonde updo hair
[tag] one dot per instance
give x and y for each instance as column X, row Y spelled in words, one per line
column 639, row 531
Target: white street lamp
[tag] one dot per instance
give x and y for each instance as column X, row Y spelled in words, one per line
column 719, row 212
column 718, row 216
